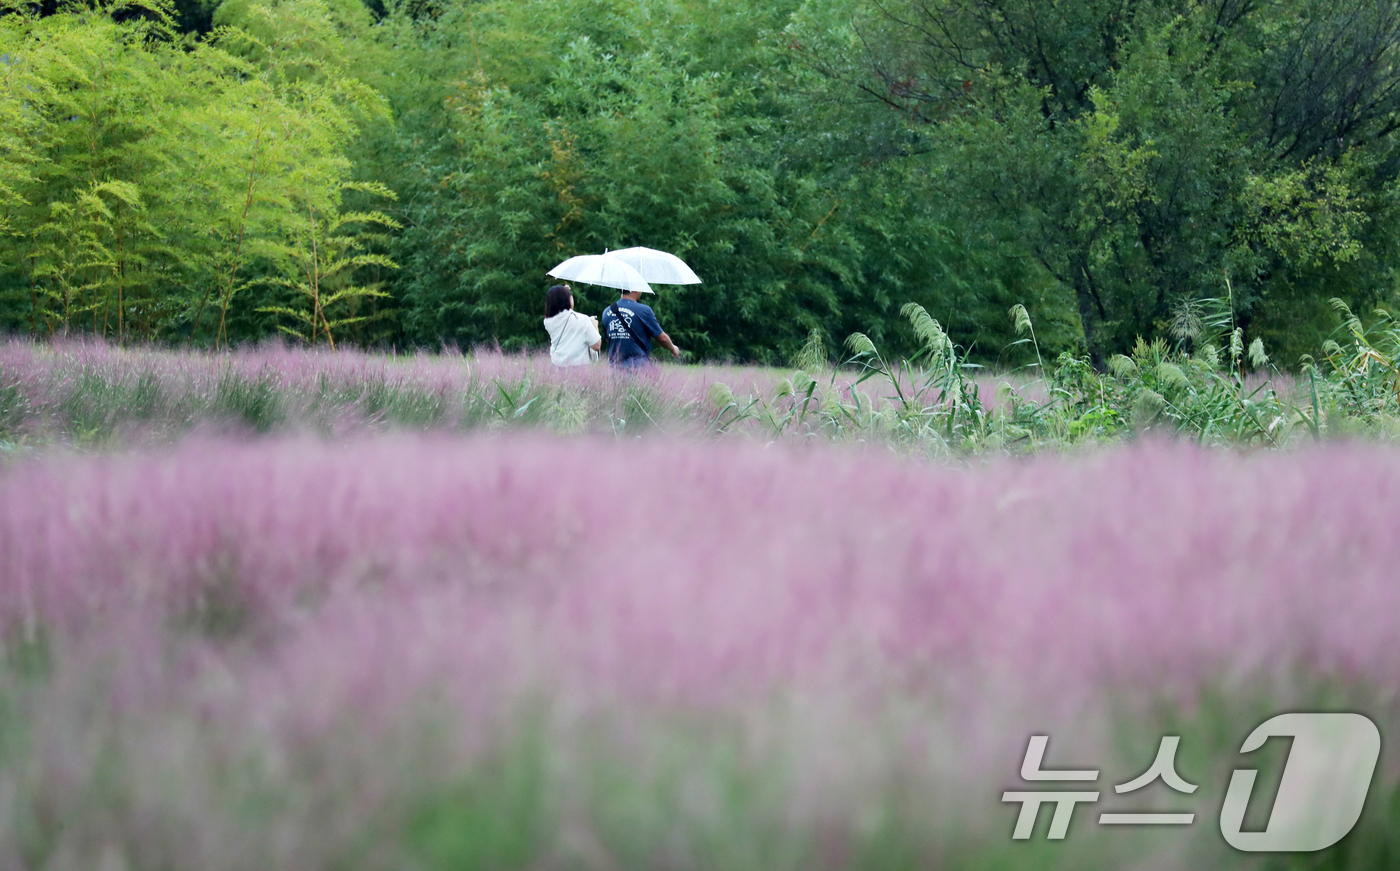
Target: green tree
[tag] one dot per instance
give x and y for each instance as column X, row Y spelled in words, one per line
column 326, row 259
column 145, row 182
column 81, row 237
column 531, row 132
column 1137, row 152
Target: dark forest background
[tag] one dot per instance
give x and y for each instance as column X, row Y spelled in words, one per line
column 402, row 174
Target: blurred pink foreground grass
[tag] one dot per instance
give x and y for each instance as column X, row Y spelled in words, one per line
column 697, row 642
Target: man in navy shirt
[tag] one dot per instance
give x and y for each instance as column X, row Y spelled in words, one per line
column 630, row 336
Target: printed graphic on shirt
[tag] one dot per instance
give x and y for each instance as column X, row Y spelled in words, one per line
column 616, row 329
column 621, row 344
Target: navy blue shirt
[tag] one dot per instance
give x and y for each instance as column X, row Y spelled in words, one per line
column 622, row 350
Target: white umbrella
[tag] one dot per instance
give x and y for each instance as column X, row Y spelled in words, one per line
column 657, row 267
column 601, row 269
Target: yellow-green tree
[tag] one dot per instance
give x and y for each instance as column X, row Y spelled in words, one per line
column 146, row 183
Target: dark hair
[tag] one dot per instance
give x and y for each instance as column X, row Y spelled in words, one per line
column 556, row 300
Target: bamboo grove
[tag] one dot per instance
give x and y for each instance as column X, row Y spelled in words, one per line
column 372, row 174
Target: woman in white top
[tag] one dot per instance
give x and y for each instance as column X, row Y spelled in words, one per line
column 574, row 339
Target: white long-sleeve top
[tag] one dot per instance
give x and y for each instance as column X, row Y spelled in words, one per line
column 571, row 337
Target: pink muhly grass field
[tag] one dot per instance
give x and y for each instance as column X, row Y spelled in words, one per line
column 589, row 653
column 84, row 392
column 45, row 372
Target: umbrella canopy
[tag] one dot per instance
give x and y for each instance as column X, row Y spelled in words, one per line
column 657, row 267
column 601, row 269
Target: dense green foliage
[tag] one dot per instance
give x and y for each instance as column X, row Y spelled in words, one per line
column 405, row 173
column 1146, row 154
column 581, row 126
column 160, row 189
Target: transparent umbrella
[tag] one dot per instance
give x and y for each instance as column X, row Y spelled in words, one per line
column 601, row 269
column 657, row 267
